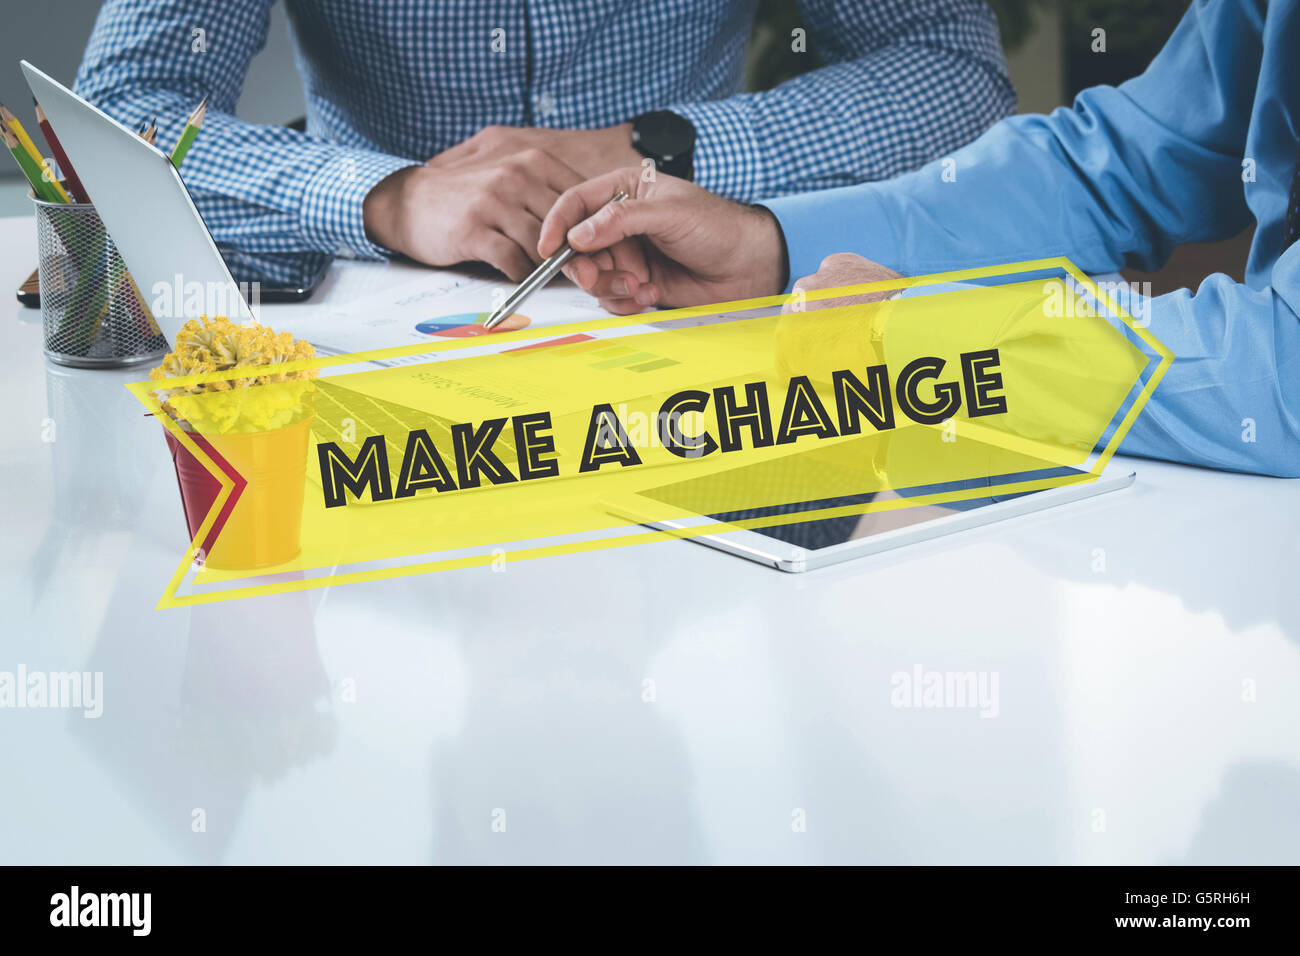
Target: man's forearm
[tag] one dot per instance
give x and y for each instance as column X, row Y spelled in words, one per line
column 907, row 81
column 1121, row 178
column 259, row 187
column 1231, row 399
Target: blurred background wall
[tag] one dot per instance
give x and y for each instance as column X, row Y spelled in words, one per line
column 272, row 92
column 1049, row 50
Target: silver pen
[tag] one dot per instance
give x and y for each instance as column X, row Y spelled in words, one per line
column 540, row 277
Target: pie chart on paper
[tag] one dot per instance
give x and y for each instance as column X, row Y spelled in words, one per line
column 463, row 324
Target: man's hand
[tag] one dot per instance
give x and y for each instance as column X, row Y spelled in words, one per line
column 817, row 346
column 491, row 213
column 836, row 271
column 590, row 152
column 669, row 243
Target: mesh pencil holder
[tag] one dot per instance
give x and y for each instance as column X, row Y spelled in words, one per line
column 92, row 313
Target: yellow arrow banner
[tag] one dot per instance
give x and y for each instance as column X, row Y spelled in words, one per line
column 756, row 414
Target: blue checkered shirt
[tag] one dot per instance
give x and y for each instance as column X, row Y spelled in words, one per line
column 391, row 83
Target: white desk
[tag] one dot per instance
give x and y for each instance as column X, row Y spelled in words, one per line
column 391, row 721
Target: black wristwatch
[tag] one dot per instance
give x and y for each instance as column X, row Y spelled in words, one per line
column 668, row 139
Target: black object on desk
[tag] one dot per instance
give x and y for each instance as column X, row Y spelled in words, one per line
column 280, row 276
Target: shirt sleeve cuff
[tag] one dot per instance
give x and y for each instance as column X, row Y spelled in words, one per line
column 331, row 213
column 848, row 219
column 726, row 156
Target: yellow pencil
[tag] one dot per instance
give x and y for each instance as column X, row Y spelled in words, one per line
column 24, row 140
column 40, row 188
column 29, row 147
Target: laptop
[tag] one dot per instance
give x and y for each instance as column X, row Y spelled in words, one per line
column 142, row 200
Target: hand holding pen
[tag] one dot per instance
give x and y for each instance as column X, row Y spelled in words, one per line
column 671, row 243
column 542, row 275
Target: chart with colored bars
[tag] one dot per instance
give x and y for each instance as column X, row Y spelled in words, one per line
column 627, row 357
column 605, row 357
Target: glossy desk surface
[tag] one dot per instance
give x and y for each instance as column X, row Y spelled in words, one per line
column 666, row 703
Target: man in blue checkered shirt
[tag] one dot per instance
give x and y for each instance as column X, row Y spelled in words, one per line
column 445, row 129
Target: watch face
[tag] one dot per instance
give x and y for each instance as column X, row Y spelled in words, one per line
column 664, row 136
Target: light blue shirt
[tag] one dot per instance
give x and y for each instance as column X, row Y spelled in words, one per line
column 1191, row 151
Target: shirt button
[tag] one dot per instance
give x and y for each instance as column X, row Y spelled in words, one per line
column 545, row 104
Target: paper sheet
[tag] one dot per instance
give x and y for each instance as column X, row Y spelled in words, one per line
column 424, row 306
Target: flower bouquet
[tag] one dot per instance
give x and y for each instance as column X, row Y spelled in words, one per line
column 253, row 427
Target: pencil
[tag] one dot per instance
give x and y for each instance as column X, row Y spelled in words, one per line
column 151, row 133
column 33, row 172
column 192, row 127
column 11, row 123
column 65, row 165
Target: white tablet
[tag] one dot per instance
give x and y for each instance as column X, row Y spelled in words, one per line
column 805, row 545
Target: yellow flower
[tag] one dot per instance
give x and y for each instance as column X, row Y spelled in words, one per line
column 250, row 403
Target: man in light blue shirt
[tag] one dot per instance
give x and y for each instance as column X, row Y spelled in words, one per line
column 1204, row 141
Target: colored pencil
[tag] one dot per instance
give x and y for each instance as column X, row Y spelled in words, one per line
column 33, row 172
column 192, row 127
column 11, row 123
column 65, row 165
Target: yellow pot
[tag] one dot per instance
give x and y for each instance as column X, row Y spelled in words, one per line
column 263, row 527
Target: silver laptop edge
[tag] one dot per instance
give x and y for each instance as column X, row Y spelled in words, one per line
column 143, row 203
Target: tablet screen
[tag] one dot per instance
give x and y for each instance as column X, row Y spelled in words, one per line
column 786, row 475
